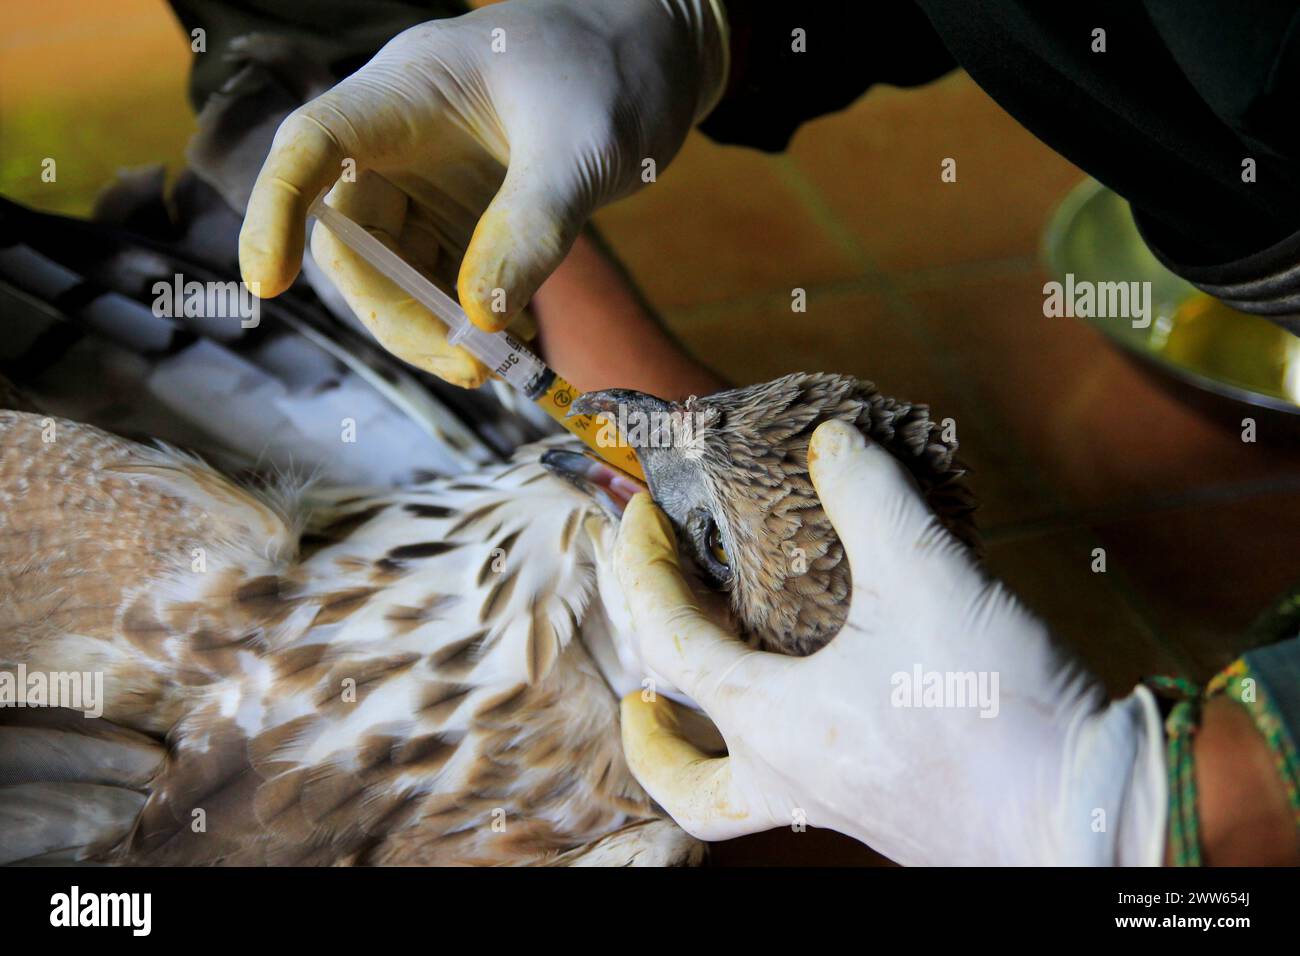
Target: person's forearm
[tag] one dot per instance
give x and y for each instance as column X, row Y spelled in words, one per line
column 592, row 330
column 1245, row 819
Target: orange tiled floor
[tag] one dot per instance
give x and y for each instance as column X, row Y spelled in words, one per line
column 934, row 290
column 931, row 289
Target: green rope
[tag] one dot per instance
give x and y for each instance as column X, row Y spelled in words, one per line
column 1180, row 728
column 1184, row 828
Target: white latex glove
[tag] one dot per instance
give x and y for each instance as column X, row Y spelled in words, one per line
column 482, row 144
column 1059, row 775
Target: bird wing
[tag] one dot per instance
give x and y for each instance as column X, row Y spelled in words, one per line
column 414, row 689
column 88, row 340
column 124, row 565
column 105, row 545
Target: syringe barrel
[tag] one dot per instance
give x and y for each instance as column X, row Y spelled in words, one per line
column 506, row 357
column 500, row 351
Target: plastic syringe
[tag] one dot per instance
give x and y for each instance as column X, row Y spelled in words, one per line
column 501, row 352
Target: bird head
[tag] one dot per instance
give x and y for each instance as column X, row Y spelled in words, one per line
column 730, row 470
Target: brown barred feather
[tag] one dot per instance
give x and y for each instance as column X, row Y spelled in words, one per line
column 404, row 677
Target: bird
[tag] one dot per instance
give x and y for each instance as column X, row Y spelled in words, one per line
column 427, row 674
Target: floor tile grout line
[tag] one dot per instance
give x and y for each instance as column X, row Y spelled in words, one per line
column 815, row 204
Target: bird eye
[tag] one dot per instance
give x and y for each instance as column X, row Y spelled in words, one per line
column 707, row 549
column 715, row 546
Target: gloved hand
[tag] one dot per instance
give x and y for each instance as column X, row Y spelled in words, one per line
column 493, row 136
column 1044, row 771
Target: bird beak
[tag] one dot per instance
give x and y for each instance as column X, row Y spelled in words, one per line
column 624, row 407
column 612, row 487
column 621, row 404
column 634, row 415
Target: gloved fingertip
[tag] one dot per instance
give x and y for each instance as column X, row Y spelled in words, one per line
column 694, row 787
column 521, row 238
column 483, row 316
column 483, row 294
column 304, row 159
column 832, row 440
column 871, row 498
column 646, row 533
column 652, row 737
column 635, row 709
column 648, row 713
column 265, row 272
column 462, row 370
column 477, row 380
column 844, row 463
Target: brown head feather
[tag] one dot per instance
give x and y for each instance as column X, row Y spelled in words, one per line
column 731, row 471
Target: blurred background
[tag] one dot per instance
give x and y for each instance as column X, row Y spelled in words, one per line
column 932, row 290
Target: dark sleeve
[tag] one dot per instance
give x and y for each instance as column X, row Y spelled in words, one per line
column 1164, row 101
column 341, row 33
column 849, row 45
